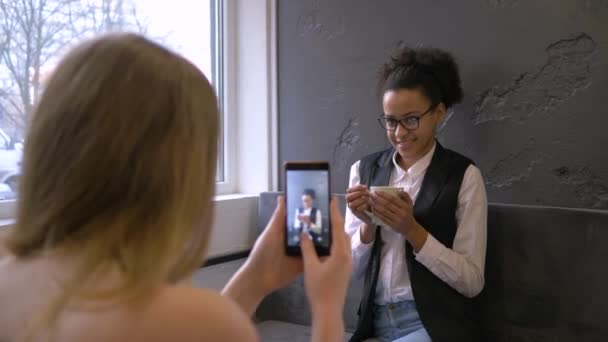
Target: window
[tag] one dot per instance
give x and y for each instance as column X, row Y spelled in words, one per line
column 34, row 34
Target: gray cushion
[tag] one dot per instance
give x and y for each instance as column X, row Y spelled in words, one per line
column 216, row 276
column 290, row 304
column 545, row 274
column 545, row 278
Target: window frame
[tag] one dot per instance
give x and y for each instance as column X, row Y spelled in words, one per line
column 251, row 96
column 224, row 68
column 244, row 22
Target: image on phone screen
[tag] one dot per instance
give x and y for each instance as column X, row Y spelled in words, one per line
column 308, row 208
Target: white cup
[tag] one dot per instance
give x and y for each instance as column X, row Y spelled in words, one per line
column 393, row 190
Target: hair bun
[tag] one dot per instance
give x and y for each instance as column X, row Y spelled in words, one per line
column 433, row 70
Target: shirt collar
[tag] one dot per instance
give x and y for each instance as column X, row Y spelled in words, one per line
column 418, row 168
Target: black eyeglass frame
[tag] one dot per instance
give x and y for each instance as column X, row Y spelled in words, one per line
column 403, row 122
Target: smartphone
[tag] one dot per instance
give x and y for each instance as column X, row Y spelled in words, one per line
column 307, row 194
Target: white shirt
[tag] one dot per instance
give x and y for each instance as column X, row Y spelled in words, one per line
column 461, row 267
column 315, row 225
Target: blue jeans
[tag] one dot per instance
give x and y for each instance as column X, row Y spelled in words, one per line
column 399, row 322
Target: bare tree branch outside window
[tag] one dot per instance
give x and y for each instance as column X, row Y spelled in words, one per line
column 33, row 36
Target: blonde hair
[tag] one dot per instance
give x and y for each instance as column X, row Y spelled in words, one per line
column 119, row 167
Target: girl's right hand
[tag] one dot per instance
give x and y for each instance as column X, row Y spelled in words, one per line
column 357, row 199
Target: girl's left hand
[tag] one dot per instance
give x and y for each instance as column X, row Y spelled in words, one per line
column 395, row 211
column 398, row 213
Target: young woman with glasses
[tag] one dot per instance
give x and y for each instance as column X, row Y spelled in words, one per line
column 423, row 256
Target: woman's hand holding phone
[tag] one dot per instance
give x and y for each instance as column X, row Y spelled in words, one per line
column 326, row 280
column 268, row 268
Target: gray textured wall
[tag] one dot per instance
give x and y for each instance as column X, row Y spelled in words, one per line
column 535, row 74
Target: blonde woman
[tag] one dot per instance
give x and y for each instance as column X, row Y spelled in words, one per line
column 115, row 209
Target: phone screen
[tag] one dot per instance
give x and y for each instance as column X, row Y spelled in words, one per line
column 307, row 201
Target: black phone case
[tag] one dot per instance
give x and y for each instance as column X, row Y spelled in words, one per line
column 303, row 166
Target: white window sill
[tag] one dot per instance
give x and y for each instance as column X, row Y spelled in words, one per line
column 234, row 225
column 6, row 223
column 231, row 197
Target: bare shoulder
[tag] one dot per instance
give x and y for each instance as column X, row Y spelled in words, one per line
column 184, row 313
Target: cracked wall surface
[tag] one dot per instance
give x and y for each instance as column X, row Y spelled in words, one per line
column 345, row 144
column 591, row 189
column 514, row 168
column 533, row 119
column 566, row 71
column 534, row 77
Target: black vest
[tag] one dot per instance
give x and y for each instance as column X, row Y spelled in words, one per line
column 446, row 314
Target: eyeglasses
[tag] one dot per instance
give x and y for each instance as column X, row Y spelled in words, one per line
column 410, row 123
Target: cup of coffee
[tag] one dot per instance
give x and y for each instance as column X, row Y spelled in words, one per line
column 392, row 190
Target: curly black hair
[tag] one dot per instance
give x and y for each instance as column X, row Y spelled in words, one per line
column 309, row 192
column 431, row 70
